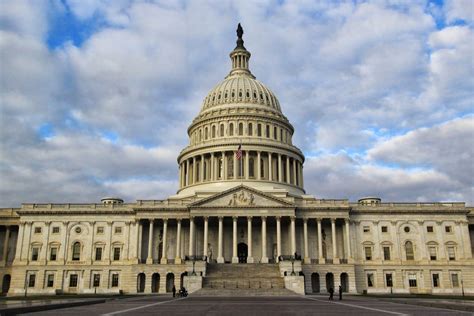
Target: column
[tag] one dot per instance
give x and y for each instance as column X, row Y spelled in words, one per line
column 249, row 240
column 259, row 166
column 194, row 170
column 293, row 239
column 348, row 240
column 288, row 179
column 264, row 240
column 213, row 167
column 301, row 176
column 201, row 178
column 247, row 167
column 177, row 260
column 44, row 255
column 224, row 166
column 235, row 165
column 191, row 236
column 280, row 175
column 187, row 172
column 305, row 236
column 335, row 259
column 206, row 229
column 109, row 254
column 220, row 258
column 21, row 231
column 5, row 245
column 320, row 242
column 149, row 258
column 278, row 221
column 139, row 241
column 164, row 256
column 235, row 259
column 269, row 166
column 294, row 171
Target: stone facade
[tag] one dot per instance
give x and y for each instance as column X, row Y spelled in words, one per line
column 241, row 200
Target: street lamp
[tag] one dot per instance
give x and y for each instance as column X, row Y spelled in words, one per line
column 293, row 266
column 462, row 287
column 194, row 262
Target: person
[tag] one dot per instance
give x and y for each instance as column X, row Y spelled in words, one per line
column 331, row 293
column 174, row 291
column 340, row 292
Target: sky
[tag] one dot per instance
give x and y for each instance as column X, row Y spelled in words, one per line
column 96, row 96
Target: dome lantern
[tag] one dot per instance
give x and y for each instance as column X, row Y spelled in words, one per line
column 240, row 57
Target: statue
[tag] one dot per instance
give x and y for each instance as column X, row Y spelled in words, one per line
column 240, row 31
column 209, row 252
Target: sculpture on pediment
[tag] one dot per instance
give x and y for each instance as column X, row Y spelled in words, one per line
column 242, row 199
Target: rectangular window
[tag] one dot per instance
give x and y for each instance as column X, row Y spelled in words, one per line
column 117, row 253
column 55, row 229
column 259, row 130
column 53, row 253
column 448, row 229
column 37, row 230
column 432, row 251
column 96, row 281
column 429, row 229
column 455, row 280
column 34, row 254
column 98, row 253
column 384, row 229
column 366, row 229
column 389, row 280
column 50, row 281
column 435, row 278
column 370, row 279
column 100, row 230
column 73, row 280
column 118, row 230
column 32, row 280
column 368, row 253
column 386, row 253
column 451, row 254
column 412, row 280
column 115, row 280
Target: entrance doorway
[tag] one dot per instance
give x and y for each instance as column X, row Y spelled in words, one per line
column 345, row 282
column 242, row 252
column 315, row 283
column 155, row 283
column 141, row 282
column 6, row 283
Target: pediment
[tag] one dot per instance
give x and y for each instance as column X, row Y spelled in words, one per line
column 241, row 196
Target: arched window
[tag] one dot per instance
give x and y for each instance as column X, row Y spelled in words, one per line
column 259, row 130
column 230, row 167
column 76, row 251
column 250, row 129
column 206, row 134
column 251, row 168
column 241, row 129
column 213, row 131
column 200, row 135
column 231, row 129
column 268, row 132
column 281, row 135
column 275, row 132
column 221, row 133
column 410, row 254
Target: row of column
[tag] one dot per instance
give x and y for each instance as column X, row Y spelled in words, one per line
column 6, row 241
column 219, row 168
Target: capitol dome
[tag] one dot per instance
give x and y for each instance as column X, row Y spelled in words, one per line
column 240, row 136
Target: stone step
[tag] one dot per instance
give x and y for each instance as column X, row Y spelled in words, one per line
column 241, row 283
column 243, row 292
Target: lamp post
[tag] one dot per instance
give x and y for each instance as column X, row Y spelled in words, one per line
column 194, row 262
column 293, row 266
column 462, row 288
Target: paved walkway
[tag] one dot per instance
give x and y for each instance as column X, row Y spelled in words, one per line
column 307, row 305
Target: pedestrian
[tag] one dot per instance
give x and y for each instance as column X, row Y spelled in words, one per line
column 331, row 293
column 340, row 292
column 174, row 291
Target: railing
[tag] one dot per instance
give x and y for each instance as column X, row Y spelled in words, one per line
column 289, row 258
column 195, row 258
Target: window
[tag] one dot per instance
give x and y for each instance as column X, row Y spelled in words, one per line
column 275, row 132
column 221, row 132
column 368, row 253
column 55, row 229
column 53, row 253
column 241, row 129
column 370, row 279
column 96, row 280
column 37, row 230
column 366, row 229
column 386, row 253
column 34, row 254
column 98, row 253
column 432, row 252
column 50, row 280
column 250, row 132
column 251, row 168
column 230, row 167
column 213, row 131
column 76, row 251
column 32, row 280
column 435, row 278
column 231, row 129
column 73, row 280
column 115, row 280
column 100, row 230
column 448, row 229
column 429, row 229
column 412, row 280
column 116, row 253
column 259, row 129
column 78, row 230
column 389, row 280
column 451, row 253
column 384, row 229
column 267, row 134
column 406, row 229
column 410, row 255
column 118, row 230
column 206, row 134
column 455, row 280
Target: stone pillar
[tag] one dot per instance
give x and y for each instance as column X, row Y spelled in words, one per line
column 188, row 175
column 334, row 247
column 224, row 166
column 21, row 231
column 280, row 175
column 220, row 258
column 235, row 259
column 235, row 166
column 149, row 258
column 5, row 245
column 206, row 229
column 269, row 166
column 247, row 165
column 294, row 171
column 305, row 236
column 293, row 239
column 288, row 178
column 177, row 260
column 249, row 240
column 259, row 166
column 164, row 256
column 301, row 176
column 278, row 228
column 191, row 236
column 44, row 255
column 213, row 168
column 139, row 242
column 320, row 242
column 264, row 240
column 348, row 239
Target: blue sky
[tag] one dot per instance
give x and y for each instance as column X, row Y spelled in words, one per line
column 96, row 96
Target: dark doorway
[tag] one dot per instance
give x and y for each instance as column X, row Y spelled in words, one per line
column 315, row 283
column 242, row 252
column 169, row 282
column 330, row 281
column 6, row 283
column 155, row 283
column 181, row 281
column 345, row 282
column 141, row 282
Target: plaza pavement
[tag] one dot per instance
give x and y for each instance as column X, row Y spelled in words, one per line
column 296, row 305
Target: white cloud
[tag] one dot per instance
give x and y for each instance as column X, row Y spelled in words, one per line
column 459, row 10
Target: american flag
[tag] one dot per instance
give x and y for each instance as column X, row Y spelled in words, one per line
column 238, row 153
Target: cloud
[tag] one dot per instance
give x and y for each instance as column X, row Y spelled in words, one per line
column 459, row 10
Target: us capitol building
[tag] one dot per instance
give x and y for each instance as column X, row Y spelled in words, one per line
column 241, row 222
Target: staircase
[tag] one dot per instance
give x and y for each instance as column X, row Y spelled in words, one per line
column 252, row 279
